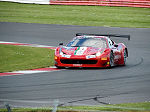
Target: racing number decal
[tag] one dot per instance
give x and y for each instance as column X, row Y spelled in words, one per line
column 80, row 50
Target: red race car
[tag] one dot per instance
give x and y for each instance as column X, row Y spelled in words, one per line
column 91, row 50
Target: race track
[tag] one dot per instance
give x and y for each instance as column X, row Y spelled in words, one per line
column 130, row 83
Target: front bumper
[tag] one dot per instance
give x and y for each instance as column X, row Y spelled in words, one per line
column 78, row 61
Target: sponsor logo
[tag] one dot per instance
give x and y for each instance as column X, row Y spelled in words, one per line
column 77, row 65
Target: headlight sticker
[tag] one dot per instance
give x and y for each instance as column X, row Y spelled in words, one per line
column 90, row 56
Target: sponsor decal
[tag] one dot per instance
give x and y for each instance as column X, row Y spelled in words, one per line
column 77, row 65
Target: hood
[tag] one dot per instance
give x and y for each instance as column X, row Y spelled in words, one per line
column 80, row 50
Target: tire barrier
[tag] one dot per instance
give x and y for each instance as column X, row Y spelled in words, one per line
column 124, row 3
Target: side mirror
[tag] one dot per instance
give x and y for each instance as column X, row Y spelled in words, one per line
column 115, row 45
column 60, row 44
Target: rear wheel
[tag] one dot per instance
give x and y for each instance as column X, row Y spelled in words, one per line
column 124, row 57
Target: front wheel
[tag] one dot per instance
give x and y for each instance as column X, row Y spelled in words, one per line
column 59, row 67
column 111, row 60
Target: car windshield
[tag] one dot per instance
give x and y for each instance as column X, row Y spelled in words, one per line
column 88, row 42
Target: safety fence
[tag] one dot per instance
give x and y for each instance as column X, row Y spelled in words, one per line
column 125, row 3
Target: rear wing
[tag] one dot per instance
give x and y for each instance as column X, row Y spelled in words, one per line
column 107, row 35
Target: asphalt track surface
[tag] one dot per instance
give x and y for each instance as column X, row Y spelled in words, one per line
column 130, row 83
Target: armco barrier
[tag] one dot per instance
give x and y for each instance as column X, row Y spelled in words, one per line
column 126, row 3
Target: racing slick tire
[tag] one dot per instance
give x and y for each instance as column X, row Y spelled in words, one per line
column 111, row 60
column 59, row 67
column 124, row 57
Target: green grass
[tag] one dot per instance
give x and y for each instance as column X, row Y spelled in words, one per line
column 14, row 58
column 143, row 106
column 75, row 15
column 127, row 107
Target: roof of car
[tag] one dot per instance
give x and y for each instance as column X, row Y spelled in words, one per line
column 91, row 36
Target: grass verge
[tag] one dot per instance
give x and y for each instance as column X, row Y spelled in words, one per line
column 75, row 15
column 127, row 107
column 14, row 58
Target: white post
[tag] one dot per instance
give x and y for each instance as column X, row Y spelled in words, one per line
column 56, row 102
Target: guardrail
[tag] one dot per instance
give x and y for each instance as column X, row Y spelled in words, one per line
column 125, row 3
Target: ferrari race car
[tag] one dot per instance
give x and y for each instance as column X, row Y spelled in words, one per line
column 91, row 50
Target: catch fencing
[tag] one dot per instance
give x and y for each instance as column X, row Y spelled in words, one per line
column 125, row 3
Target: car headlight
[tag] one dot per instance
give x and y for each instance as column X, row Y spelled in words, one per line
column 99, row 53
column 60, row 52
column 64, row 54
